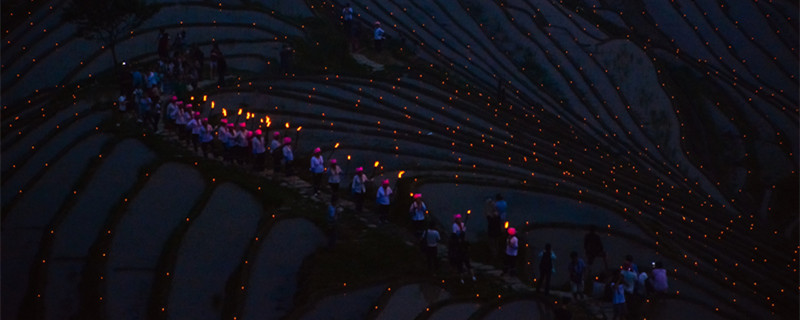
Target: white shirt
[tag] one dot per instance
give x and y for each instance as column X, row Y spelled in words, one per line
column 172, row 110
column 287, row 153
column 335, row 174
column 274, row 145
column 317, row 164
column 359, row 185
column 512, row 246
column 383, row 196
column 206, row 134
column 241, row 138
column 258, row 145
column 418, row 211
column 459, row 228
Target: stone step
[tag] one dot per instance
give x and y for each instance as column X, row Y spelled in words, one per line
column 411, row 300
column 349, row 305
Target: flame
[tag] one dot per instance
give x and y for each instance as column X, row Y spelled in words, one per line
column 247, row 116
column 212, row 104
column 267, row 120
column 240, row 112
column 469, row 211
column 376, row 164
column 506, row 225
column 204, row 98
column 191, row 98
column 336, row 146
column 348, row 157
column 224, row 112
column 400, row 174
column 287, row 125
column 299, row 128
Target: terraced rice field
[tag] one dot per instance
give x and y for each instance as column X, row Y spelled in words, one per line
column 670, row 125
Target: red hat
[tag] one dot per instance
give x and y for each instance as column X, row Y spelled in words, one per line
column 189, row 105
column 179, row 102
column 174, row 98
column 317, row 150
column 360, row 169
column 386, row 182
column 242, row 125
column 249, row 134
column 276, row 134
column 512, row 231
column 258, row 132
column 223, row 121
column 333, row 161
column 230, row 125
column 197, row 114
column 287, row 140
column 457, row 216
column 205, row 119
column 418, row 196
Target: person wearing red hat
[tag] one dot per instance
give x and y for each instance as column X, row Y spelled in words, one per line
column 288, row 155
column 334, row 178
column 259, row 150
column 274, row 150
column 359, row 188
column 378, row 36
column 242, row 144
column 417, row 210
column 458, row 249
column 206, row 136
column 194, row 126
column 512, row 248
column 384, row 200
column 317, row 169
column 230, row 142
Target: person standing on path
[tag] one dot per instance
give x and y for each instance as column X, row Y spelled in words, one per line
column 494, row 228
column 618, row 297
column 334, row 179
column 259, row 151
column 512, row 249
column 347, row 18
column 417, row 210
column 288, row 155
column 378, row 37
column 501, row 206
column 594, row 248
column 384, row 199
column 547, row 260
column 213, row 60
column 275, row 152
column 431, row 238
column 317, row 169
column 577, row 270
column 359, row 188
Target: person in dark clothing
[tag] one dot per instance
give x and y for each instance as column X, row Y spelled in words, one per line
column 222, row 67
column 546, row 262
column 594, row 248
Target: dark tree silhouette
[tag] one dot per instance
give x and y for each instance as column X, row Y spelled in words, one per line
column 108, row 21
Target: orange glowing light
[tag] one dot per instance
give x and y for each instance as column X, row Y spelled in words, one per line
column 299, row 128
column 348, row 157
column 400, row 174
column 506, row 225
column 204, row 98
column 287, row 125
column 376, row 164
column 267, row 121
column 336, row 146
column 224, row 112
column 240, row 112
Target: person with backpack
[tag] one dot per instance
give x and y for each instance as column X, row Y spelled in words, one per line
column 577, row 270
column 547, row 260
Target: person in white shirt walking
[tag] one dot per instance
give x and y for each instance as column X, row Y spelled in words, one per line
column 383, row 199
column 317, row 169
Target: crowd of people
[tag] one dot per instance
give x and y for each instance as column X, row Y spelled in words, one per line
column 155, row 93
